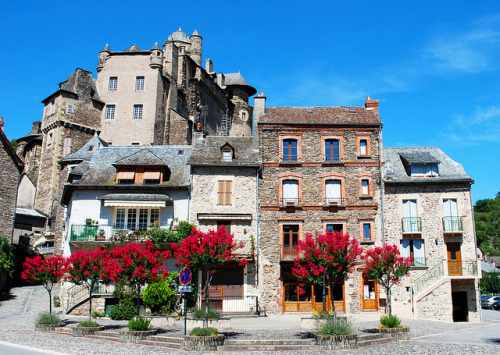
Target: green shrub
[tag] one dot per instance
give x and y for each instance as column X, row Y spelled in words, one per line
column 7, row 257
column 139, row 324
column 322, row 315
column 390, row 321
column 490, row 283
column 333, row 326
column 124, row 310
column 161, row 297
column 97, row 314
column 200, row 314
column 88, row 324
column 203, row 332
column 47, row 318
column 56, row 301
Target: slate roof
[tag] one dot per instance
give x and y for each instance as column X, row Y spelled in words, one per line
column 343, row 115
column 207, row 151
column 179, row 36
column 133, row 48
column 143, row 157
column 101, row 169
column 236, row 79
column 79, row 83
column 397, row 170
column 85, row 152
column 30, row 212
column 35, row 132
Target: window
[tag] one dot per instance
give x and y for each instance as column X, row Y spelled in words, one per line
column 125, row 176
column 113, row 83
column 365, row 184
column 137, row 112
column 290, row 240
column 367, row 231
column 362, row 147
column 290, row 150
column 243, row 116
column 332, row 228
column 131, row 218
column 136, row 218
column 333, row 192
column 52, row 107
column 227, row 156
column 411, row 222
column 451, row 221
column 332, row 150
column 364, row 187
column 70, row 108
column 151, row 176
column 226, row 225
column 110, row 112
column 413, row 248
column 290, row 193
column 224, row 193
column 424, row 170
column 120, row 218
column 139, row 83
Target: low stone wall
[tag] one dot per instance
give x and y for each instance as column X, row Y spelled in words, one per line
column 164, row 321
column 337, row 342
column 312, row 323
column 203, row 343
column 219, row 324
column 47, row 327
column 395, row 333
column 133, row 336
column 84, row 331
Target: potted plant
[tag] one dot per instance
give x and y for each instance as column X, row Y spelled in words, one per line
column 203, row 339
column 335, row 334
column 46, row 322
column 138, row 329
column 85, row 328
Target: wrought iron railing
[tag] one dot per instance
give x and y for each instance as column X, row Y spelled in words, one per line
column 288, row 252
column 453, row 224
column 411, row 224
column 246, row 304
column 291, row 202
column 462, row 268
column 291, row 158
column 333, row 201
column 333, row 158
column 418, row 261
column 102, row 232
column 77, row 294
column 429, row 277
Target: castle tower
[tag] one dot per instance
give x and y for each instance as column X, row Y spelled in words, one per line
column 156, row 57
column 103, row 56
column 196, row 46
column 238, row 92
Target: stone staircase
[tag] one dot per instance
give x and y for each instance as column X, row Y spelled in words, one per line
column 268, row 345
column 164, row 341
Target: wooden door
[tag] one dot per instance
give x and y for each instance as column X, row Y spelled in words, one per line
column 454, row 259
column 370, row 295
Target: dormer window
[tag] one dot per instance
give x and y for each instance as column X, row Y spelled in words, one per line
column 424, row 170
column 151, row 176
column 227, row 156
column 142, row 175
column 125, row 176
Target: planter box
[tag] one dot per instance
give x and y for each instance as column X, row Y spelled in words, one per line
column 84, row 331
column 164, row 321
column 312, row 323
column 395, row 333
column 219, row 324
column 203, row 343
column 47, row 327
column 337, row 342
column 133, row 336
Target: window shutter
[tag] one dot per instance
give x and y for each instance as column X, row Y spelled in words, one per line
column 404, row 248
column 418, row 252
column 290, row 191
column 228, row 191
column 220, row 193
column 332, row 191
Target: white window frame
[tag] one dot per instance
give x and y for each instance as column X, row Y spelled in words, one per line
column 363, row 147
column 227, row 155
column 365, row 189
column 139, row 83
column 124, row 223
column 110, row 112
column 70, row 109
column 291, row 192
column 113, row 83
column 424, row 170
column 138, row 111
column 333, row 192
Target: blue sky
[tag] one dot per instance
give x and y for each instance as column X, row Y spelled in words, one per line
column 434, row 66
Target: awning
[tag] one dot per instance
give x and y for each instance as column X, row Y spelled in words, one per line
column 225, row 216
column 151, row 175
column 135, row 200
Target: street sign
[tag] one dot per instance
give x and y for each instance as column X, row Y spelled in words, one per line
column 185, row 276
column 184, row 288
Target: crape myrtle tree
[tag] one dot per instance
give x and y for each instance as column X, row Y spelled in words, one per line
column 384, row 265
column 87, row 268
column 137, row 264
column 205, row 252
column 328, row 256
column 48, row 272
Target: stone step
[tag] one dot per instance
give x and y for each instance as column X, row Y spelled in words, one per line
column 160, row 343
column 363, row 337
column 63, row 330
column 374, row 342
column 108, row 333
column 252, row 342
column 166, row 339
column 267, row 347
column 102, row 337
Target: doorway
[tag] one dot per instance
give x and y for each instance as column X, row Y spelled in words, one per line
column 370, row 297
column 454, row 259
column 460, row 307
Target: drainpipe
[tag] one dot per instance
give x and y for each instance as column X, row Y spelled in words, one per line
column 475, row 251
column 257, row 254
column 381, row 183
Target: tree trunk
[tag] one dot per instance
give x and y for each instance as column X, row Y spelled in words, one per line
column 388, row 308
column 50, row 300
column 91, row 286
column 138, row 299
column 207, row 282
column 331, row 284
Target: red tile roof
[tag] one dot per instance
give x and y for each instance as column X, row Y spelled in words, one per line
column 320, row 115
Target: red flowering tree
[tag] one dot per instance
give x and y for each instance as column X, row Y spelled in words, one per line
column 329, row 255
column 205, row 252
column 137, row 264
column 87, row 268
column 47, row 271
column 384, row 265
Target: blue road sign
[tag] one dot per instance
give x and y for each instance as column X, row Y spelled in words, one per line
column 185, row 276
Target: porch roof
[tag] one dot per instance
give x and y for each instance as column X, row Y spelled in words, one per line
column 136, row 200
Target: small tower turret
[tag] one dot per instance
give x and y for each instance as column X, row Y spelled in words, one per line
column 156, row 57
column 196, row 44
column 103, row 56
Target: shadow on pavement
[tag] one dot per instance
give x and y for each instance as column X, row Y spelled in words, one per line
column 495, row 341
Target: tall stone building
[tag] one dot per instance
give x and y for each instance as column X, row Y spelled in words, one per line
column 428, row 214
column 29, row 149
column 320, row 171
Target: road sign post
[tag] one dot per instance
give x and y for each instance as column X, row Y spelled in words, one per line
column 185, row 276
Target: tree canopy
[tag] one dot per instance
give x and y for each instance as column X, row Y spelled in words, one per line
column 487, row 218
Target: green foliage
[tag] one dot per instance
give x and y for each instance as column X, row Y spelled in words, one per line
column 334, row 326
column 88, row 324
column 7, row 257
column 487, row 218
column 323, row 315
column 490, row 283
column 200, row 314
column 13, row 143
column 161, row 297
column 97, row 314
column 47, row 318
column 56, row 300
column 124, row 310
column 203, row 332
column 159, row 235
column 123, row 292
column 390, row 321
column 139, row 324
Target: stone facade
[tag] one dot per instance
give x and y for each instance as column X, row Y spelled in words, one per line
column 29, row 149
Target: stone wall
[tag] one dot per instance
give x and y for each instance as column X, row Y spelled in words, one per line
column 98, row 305
column 8, row 191
column 437, row 305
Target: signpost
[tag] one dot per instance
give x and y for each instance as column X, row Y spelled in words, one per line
column 185, row 276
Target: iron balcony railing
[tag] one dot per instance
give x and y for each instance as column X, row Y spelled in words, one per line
column 428, row 278
column 420, row 261
column 288, row 252
column 453, row 224
column 291, row 201
column 411, row 224
column 462, row 268
column 242, row 304
column 291, row 158
column 103, row 232
column 333, row 158
column 333, row 201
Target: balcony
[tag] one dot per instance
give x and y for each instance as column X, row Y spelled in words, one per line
column 290, row 159
column 102, row 232
column 453, row 224
column 333, row 159
column 291, row 202
column 418, row 262
column 411, row 225
column 462, row 269
column 333, row 202
column 288, row 252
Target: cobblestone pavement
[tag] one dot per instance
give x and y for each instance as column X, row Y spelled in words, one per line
column 19, row 309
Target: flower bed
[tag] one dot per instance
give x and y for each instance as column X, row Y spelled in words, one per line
column 221, row 323
column 337, row 342
column 84, row 331
column 133, row 336
column 401, row 333
column 47, row 327
column 200, row 343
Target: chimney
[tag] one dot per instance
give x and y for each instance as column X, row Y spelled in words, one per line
column 259, row 110
column 209, row 66
column 36, row 127
column 2, row 124
column 221, row 80
column 371, row 104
